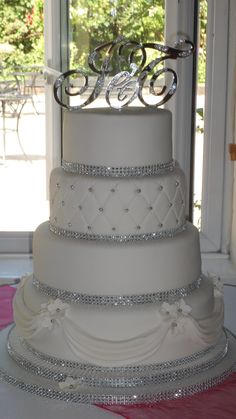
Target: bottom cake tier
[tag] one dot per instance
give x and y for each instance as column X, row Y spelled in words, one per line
column 117, row 331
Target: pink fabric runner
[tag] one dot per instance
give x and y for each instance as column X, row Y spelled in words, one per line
column 6, row 295
column 218, row 403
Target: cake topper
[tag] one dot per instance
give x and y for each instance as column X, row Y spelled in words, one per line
column 124, row 71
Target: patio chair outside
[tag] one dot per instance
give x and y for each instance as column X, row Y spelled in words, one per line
column 12, row 101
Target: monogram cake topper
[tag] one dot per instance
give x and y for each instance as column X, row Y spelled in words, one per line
column 124, row 73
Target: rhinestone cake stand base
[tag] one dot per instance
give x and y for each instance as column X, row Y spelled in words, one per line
column 27, row 370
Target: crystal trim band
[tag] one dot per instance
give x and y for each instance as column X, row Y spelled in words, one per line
column 93, row 397
column 87, row 376
column 129, row 369
column 118, row 238
column 116, row 300
column 118, row 172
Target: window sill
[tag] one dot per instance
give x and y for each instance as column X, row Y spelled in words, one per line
column 221, row 265
column 14, row 266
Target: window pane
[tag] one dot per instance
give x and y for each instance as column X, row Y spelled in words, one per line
column 200, row 110
column 93, row 22
column 22, row 143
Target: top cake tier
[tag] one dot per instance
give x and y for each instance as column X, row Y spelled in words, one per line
column 130, row 137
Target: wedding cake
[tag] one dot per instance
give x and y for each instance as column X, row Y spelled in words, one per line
column 117, row 309
column 118, row 254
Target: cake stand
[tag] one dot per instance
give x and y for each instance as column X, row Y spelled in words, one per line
column 77, row 382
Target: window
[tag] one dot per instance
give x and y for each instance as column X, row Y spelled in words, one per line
column 16, row 246
column 22, row 114
column 32, row 150
column 92, row 23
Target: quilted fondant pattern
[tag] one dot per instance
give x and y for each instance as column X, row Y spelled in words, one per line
column 117, row 206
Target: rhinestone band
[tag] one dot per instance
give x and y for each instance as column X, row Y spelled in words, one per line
column 117, row 300
column 117, row 238
column 129, row 369
column 114, row 378
column 113, row 399
column 117, row 172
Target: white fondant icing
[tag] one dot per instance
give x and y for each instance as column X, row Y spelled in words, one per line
column 119, row 337
column 131, row 137
column 115, row 336
column 113, row 268
column 126, row 206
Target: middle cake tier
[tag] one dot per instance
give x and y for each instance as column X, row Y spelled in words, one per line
column 103, row 267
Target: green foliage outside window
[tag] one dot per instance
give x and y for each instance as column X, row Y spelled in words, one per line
column 202, row 41
column 21, row 33
column 91, row 23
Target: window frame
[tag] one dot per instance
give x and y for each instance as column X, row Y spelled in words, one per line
column 217, row 169
column 181, row 22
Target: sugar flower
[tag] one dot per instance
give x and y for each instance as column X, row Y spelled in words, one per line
column 218, row 284
column 176, row 314
column 69, row 383
column 55, row 306
column 24, row 279
column 176, row 310
column 50, row 314
column 183, row 308
column 216, row 280
column 170, row 310
column 43, row 321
